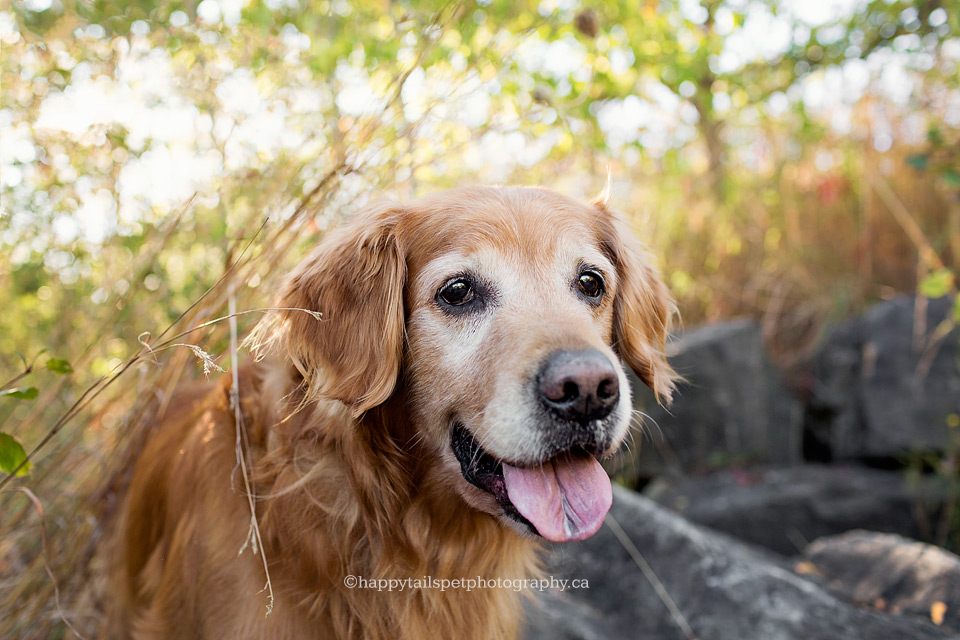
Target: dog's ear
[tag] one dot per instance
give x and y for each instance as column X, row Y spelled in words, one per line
column 643, row 307
column 349, row 347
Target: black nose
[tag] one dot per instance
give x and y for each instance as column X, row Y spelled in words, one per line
column 579, row 385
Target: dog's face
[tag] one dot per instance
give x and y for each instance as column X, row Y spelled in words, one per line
column 511, row 314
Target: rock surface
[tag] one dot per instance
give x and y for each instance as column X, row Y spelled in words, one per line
column 732, row 407
column 877, row 390
column 557, row 615
column 784, row 509
column 725, row 590
column 890, row 572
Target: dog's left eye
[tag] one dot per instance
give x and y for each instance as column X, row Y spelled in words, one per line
column 456, row 292
column 590, row 284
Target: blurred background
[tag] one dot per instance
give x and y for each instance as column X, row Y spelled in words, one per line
column 787, row 161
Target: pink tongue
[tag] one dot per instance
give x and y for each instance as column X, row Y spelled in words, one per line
column 565, row 499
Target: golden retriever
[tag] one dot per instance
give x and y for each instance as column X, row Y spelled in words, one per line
column 442, row 415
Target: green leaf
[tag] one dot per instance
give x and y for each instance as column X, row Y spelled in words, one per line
column 937, row 284
column 918, row 161
column 58, row 366
column 21, row 393
column 952, row 177
column 11, row 455
column 956, row 308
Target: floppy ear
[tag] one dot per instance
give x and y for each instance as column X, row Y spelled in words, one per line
column 642, row 309
column 354, row 280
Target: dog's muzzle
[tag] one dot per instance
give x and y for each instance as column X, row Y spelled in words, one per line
column 565, row 495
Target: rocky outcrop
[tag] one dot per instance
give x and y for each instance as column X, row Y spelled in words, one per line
column 558, row 615
column 732, row 407
column 723, row 589
column 883, row 385
column 784, row 509
column 879, row 389
column 891, row 573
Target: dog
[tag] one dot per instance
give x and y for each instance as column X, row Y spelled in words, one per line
column 432, row 393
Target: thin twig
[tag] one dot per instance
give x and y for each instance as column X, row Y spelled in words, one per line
column 932, row 345
column 208, row 363
column 223, row 277
column 648, row 573
column 46, row 565
column 316, row 314
column 906, row 221
column 17, row 378
column 241, row 458
column 100, row 385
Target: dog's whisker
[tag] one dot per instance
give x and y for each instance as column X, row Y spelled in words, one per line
column 645, row 421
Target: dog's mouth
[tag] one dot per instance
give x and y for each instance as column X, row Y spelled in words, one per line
column 564, row 498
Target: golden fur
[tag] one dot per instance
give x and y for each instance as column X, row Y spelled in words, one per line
column 347, row 421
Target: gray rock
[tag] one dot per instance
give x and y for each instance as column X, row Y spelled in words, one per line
column 556, row 615
column 724, row 590
column 733, row 407
column 890, row 572
column 876, row 393
column 784, row 509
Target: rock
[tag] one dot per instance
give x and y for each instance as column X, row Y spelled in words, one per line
column 890, row 572
column 724, row 589
column 555, row 615
column 876, row 393
column 784, row 509
column 733, row 407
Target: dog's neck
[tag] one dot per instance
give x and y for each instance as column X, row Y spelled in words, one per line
column 365, row 488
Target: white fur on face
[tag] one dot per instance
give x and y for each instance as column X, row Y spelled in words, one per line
column 480, row 368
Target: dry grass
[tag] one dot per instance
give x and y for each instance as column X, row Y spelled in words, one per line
column 82, row 443
column 827, row 244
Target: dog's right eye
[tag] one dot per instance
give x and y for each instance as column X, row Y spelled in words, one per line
column 456, row 292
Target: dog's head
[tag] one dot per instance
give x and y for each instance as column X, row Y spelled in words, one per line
column 508, row 313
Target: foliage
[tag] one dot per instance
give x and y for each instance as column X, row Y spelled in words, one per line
column 12, row 456
column 13, row 459
column 945, row 466
column 159, row 158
